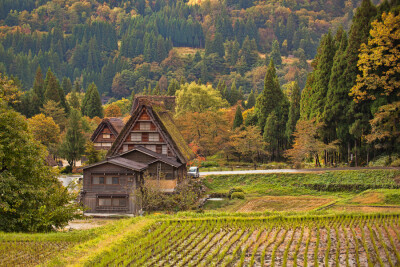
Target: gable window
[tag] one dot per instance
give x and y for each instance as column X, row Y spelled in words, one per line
column 106, row 136
column 154, row 137
column 145, row 126
column 159, row 149
column 125, row 148
column 136, row 137
column 98, row 180
column 164, row 150
column 97, row 144
column 112, row 180
column 106, row 144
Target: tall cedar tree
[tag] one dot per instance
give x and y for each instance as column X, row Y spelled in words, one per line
column 73, row 146
column 276, row 53
column 336, row 115
column 238, row 121
column 52, row 86
column 271, row 134
column 270, row 98
column 294, row 110
column 251, row 100
column 173, row 87
column 91, row 105
column 38, row 86
column 322, row 73
column 66, row 85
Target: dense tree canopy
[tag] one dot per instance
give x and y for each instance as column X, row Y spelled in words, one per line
column 31, row 197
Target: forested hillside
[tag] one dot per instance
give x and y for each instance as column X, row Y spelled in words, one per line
column 125, row 46
column 254, row 81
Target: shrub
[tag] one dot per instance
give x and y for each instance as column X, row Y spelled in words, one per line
column 234, row 190
column 239, row 195
column 392, row 198
column 67, row 169
column 206, row 164
column 395, row 163
column 385, row 160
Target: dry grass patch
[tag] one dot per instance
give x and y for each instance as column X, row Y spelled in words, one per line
column 366, row 209
column 184, row 51
column 368, row 198
column 283, row 203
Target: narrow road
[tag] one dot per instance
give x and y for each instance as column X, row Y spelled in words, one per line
column 295, row 170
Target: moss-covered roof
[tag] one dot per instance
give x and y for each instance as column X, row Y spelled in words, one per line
column 174, row 132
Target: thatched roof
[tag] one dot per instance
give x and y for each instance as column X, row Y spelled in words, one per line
column 114, row 124
column 167, row 102
column 162, row 119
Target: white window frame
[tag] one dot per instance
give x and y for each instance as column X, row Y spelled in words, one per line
column 164, row 150
column 136, row 137
column 145, row 126
column 154, row 137
column 106, row 135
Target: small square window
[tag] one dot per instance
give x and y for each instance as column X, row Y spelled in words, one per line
column 115, row 180
column 145, row 126
column 98, row 180
column 136, row 137
column 109, row 180
column 154, row 137
column 106, row 136
column 125, row 148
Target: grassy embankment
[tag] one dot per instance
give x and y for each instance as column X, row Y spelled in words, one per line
column 306, row 191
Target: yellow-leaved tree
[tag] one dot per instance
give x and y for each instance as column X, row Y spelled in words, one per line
column 379, row 62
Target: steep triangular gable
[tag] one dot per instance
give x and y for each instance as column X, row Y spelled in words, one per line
column 143, row 114
column 105, row 123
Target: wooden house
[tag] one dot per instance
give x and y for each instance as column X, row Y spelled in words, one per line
column 107, row 132
column 149, row 144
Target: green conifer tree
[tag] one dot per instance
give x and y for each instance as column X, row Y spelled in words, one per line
column 38, row 86
column 66, row 85
column 271, row 134
column 271, row 96
column 294, row 110
column 276, row 53
column 251, row 100
column 73, row 146
column 52, row 88
column 238, row 121
column 91, row 105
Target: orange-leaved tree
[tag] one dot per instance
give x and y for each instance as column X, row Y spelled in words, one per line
column 306, row 142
